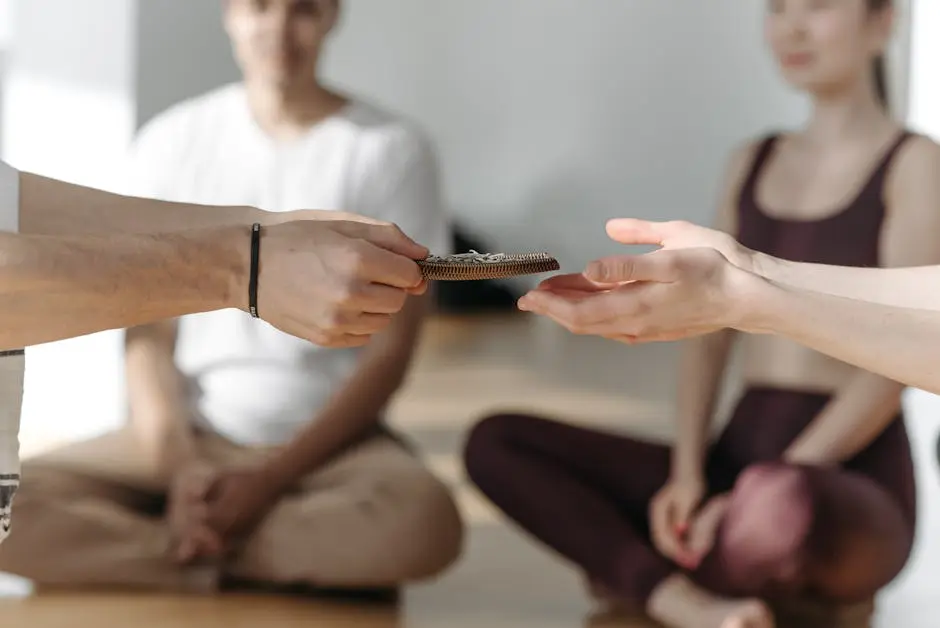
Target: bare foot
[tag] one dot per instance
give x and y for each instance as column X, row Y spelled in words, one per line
column 740, row 614
column 607, row 599
column 678, row 603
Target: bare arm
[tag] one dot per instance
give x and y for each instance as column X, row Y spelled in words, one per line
column 52, row 207
column 156, row 392
column 898, row 343
column 354, row 408
column 890, row 327
column 61, row 287
column 705, row 358
column 911, row 286
column 860, row 411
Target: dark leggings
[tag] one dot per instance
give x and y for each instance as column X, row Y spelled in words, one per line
column 839, row 533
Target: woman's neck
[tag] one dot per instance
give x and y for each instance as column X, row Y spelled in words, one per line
column 849, row 115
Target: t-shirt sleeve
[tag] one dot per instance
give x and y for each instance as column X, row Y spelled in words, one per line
column 148, row 162
column 403, row 186
column 9, row 198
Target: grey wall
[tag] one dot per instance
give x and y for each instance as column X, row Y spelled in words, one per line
column 182, row 50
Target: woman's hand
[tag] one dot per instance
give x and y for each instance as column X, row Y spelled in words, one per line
column 659, row 296
column 670, row 514
column 704, row 529
column 673, row 235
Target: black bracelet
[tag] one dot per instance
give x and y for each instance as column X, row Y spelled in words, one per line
column 253, row 272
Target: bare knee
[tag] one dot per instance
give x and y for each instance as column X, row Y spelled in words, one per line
column 430, row 534
column 762, row 544
column 400, row 526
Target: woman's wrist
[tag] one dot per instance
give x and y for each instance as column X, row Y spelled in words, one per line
column 687, row 464
column 750, row 300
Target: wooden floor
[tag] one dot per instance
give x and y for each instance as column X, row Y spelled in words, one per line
column 465, row 369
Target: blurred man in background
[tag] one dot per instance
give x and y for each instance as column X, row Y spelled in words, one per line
column 252, row 456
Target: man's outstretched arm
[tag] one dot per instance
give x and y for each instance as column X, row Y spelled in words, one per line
column 334, row 281
column 53, row 207
column 60, row 287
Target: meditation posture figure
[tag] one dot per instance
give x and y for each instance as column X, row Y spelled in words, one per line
column 252, row 456
column 809, row 491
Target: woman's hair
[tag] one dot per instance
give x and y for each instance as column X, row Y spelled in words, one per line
column 879, row 67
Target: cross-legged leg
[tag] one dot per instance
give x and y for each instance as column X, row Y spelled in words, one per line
column 794, row 529
column 87, row 515
column 373, row 518
column 582, row 492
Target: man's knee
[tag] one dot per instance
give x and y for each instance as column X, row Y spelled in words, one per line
column 763, row 539
column 429, row 532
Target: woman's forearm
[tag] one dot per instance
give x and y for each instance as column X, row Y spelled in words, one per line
column 898, row 343
column 902, row 287
column 701, row 371
column 857, row 414
column 61, row 287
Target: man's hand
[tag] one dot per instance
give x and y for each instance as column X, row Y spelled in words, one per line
column 659, row 296
column 277, row 218
column 671, row 512
column 335, row 282
column 187, row 515
column 238, row 500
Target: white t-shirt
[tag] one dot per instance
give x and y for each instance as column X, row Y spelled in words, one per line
column 12, row 366
column 249, row 381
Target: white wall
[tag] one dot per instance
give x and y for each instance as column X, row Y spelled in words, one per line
column 182, row 50
column 68, row 112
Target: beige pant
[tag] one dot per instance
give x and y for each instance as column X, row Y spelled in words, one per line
column 91, row 514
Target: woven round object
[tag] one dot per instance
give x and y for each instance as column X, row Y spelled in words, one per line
column 473, row 266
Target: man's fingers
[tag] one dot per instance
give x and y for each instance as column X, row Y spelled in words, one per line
column 365, row 324
column 418, row 290
column 372, row 263
column 373, row 298
column 385, row 236
column 659, row 266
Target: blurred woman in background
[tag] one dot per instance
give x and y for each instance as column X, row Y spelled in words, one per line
column 809, row 491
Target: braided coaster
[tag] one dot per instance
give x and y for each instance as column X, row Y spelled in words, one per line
column 473, row 266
